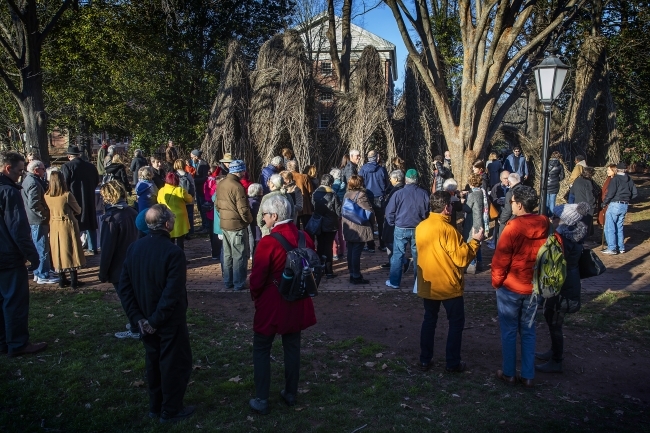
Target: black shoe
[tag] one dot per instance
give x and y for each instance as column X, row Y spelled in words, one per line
column 544, row 356
column 259, row 406
column 359, row 280
column 28, row 349
column 425, row 366
column 385, row 265
column 457, row 369
column 182, row 414
column 289, row 399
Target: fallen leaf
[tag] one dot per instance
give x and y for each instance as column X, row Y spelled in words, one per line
column 87, row 406
column 455, row 395
column 49, row 316
column 126, row 371
column 379, row 355
column 425, row 407
column 104, row 356
column 250, row 418
column 41, row 360
column 336, row 375
column 56, row 341
column 370, row 364
column 59, row 415
column 298, row 409
column 405, row 406
column 226, row 365
column 502, row 422
column 384, row 367
column 199, row 426
column 137, row 383
column 196, row 367
column 73, row 332
column 235, row 379
column 18, row 373
column 303, row 391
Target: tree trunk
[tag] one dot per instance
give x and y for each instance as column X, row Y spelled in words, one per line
column 34, row 115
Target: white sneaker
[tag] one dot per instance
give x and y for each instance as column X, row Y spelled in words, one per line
column 40, row 280
column 127, row 334
column 390, row 285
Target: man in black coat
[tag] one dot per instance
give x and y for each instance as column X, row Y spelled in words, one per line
column 16, row 246
column 117, row 234
column 506, row 212
column 202, row 170
column 498, row 199
column 153, row 294
column 82, row 178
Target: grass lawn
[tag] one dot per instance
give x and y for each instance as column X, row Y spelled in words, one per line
column 88, row 381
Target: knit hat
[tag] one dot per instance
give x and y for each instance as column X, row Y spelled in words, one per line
column 412, row 173
column 570, row 214
column 197, row 153
column 237, row 166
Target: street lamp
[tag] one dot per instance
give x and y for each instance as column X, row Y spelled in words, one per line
column 549, row 77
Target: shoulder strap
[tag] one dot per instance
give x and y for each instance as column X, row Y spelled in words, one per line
column 356, row 196
column 285, row 244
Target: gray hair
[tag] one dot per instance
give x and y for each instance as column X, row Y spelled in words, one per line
column 32, row 166
column 398, row 175
column 354, row 152
column 292, row 165
column 277, row 161
column 280, row 205
column 411, row 180
column 450, row 185
column 336, row 173
column 514, row 179
column 111, row 150
column 145, row 173
column 255, row 189
column 157, row 217
column 276, row 181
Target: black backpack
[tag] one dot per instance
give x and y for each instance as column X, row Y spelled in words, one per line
column 302, row 270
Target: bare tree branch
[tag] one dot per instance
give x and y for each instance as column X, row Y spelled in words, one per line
column 48, row 28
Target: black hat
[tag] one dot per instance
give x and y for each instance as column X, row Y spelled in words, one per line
column 73, row 150
column 621, row 166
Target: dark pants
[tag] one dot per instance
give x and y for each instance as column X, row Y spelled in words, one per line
column 134, row 326
column 324, row 248
column 379, row 210
column 262, row 363
column 168, row 359
column 14, row 295
column 180, row 242
column 455, row 308
column 303, row 220
column 216, row 246
column 190, row 217
column 354, row 258
column 554, row 319
column 200, row 199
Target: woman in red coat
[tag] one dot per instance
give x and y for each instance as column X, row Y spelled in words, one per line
column 273, row 314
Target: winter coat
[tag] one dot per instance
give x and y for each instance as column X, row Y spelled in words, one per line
column 65, row 238
column 186, row 181
column 326, row 204
column 442, row 257
column 159, row 178
column 176, row 199
column 516, row 252
column 16, row 244
column 259, row 218
column 494, row 169
column 273, row 314
column 388, row 234
column 117, row 234
column 338, row 188
column 583, row 191
column 473, row 209
column 408, row 207
column 118, row 171
column 620, row 188
column 33, row 193
column 306, row 188
column 245, row 182
column 577, row 171
column 354, row 232
column 171, row 155
column 254, row 205
column 147, row 194
column 555, row 176
column 519, row 162
column 202, row 172
column 216, row 223
column 153, row 281
column 347, row 172
column 497, row 192
column 266, row 174
column 506, row 212
column 572, row 238
column 232, row 204
column 101, row 155
column 82, row 179
column 136, row 164
column 295, row 196
column 375, row 178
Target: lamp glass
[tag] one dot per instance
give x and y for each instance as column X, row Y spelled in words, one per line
column 545, row 85
column 560, row 75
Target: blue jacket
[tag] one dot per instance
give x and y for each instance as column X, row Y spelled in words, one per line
column 15, row 234
column 267, row 172
column 408, row 207
column 147, row 194
column 375, row 178
column 522, row 165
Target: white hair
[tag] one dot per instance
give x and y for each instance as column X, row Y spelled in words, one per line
column 450, row 185
column 32, row 166
column 410, row 180
column 292, row 165
column 280, row 205
column 276, row 181
column 514, row 178
column 255, row 189
column 354, row 152
column 398, row 175
column 336, row 173
column 277, row 161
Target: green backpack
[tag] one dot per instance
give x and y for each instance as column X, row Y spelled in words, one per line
column 550, row 267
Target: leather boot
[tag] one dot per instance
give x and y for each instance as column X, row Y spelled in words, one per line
column 544, row 356
column 63, row 281
column 329, row 272
column 75, row 280
column 550, row 367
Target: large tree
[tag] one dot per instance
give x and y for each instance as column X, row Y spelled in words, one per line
column 499, row 40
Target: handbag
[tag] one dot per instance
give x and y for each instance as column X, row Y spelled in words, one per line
column 314, row 225
column 590, row 265
column 352, row 212
column 494, row 212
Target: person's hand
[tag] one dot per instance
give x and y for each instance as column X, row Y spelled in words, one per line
column 33, row 266
column 145, row 327
column 478, row 235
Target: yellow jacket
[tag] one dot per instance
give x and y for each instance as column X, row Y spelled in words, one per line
column 442, row 256
column 176, row 199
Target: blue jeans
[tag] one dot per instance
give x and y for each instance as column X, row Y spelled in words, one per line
column 235, row 258
column 455, row 309
column 515, row 313
column 401, row 238
column 478, row 258
column 614, row 218
column 92, row 240
column 42, row 243
column 550, row 203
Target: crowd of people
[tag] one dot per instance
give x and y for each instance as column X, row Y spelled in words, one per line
column 51, row 216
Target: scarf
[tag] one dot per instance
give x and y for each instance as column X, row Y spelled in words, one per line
column 486, row 210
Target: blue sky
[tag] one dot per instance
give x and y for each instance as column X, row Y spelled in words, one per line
column 381, row 22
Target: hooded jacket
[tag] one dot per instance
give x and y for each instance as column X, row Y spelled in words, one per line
column 375, row 178
column 620, row 188
column 516, row 252
column 555, row 176
column 16, row 244
column 147, row 194
column 33, row 193
column 117, row 234
column 327, row 205
column 82, row 179
column 119, row 174
column 136, row 164
column 266, row 174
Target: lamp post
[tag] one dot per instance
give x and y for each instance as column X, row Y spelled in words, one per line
column 549, row 78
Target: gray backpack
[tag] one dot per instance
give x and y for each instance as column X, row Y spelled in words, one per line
column 302, row 270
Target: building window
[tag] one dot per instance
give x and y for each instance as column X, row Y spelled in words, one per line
column 326, row 68
column 323, row 120
column 326, row 96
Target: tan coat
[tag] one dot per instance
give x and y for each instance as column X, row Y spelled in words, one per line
column 306, row 188
column 65, row 241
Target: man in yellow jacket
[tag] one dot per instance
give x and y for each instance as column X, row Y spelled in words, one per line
column 443, row 256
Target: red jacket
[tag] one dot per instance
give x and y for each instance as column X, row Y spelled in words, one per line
column 273, row 314
column 245, row 182
column 514, row 257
